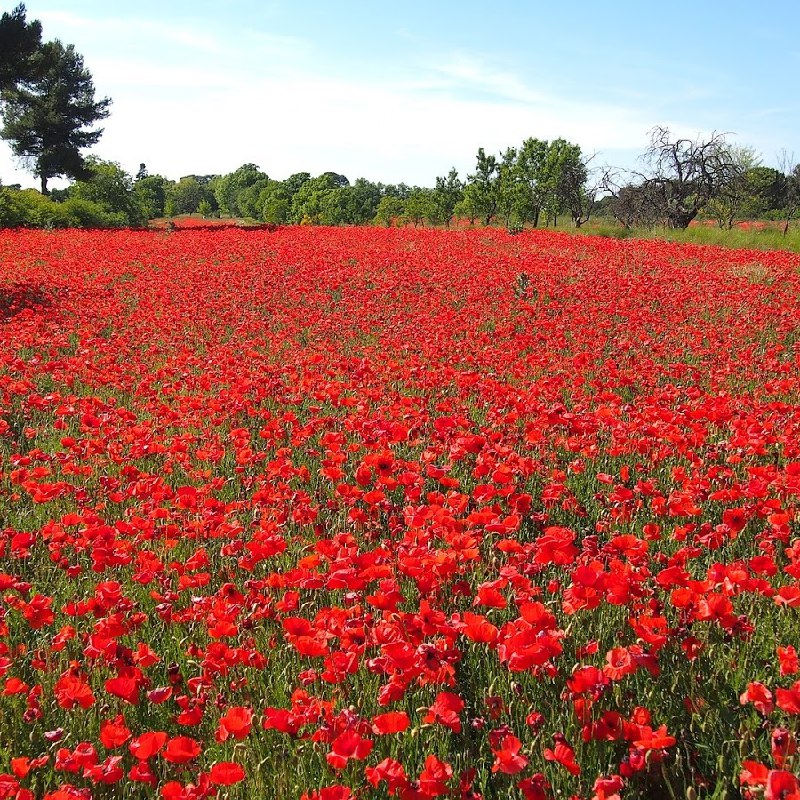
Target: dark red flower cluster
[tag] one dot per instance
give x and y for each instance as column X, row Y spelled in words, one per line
column 343, row 513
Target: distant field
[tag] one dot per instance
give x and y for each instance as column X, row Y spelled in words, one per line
column 350, row 513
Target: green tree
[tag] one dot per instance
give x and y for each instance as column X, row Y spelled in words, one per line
column 111, row 188
column 250, row 201
column 532, row 172
column 48, row 119
column 400, row 190
column 312, row 203
column 448, row 192
column 294, row 182
column 565, row 181
column 420, row 206
column 735, row 197
column 227, row 188
column 336, row 180
column 510, row 188
column 150, row 192
column 390, row 210
column 579, row 194
column 465, row 208
column 362, row 200
column 768, row 188
column 20, row 42
column 185, row 196
column 791, row 205
column 482, row 186
column 277, row 203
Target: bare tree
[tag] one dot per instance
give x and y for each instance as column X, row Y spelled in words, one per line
column 683, row 175
column 579, row 187
column 635, row 205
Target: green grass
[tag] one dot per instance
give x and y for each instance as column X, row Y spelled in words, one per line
column 769, row 237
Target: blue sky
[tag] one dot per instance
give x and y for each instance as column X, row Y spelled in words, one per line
column 402, row 91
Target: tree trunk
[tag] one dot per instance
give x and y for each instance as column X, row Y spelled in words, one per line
column 43, row 179
column 678, row 220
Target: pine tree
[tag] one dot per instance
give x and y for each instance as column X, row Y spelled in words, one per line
column 49, row 118
column 20, row 42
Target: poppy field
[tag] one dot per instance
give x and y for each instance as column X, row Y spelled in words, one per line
column 330, row 513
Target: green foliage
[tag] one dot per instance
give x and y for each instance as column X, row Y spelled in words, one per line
column 447, row 194
column 329, row 199
column 465, row 208
column 735, row 197
column 48, row 119
column 309, row 201
column 12, row 209
column 80, row 213
column 29, row 208
column 509, row 187
column 20, row 42
column 276, row 203
column 767, row 188
column 228, row 189
column 185, row 196
column 420, row 206
column 150, row 192
column 109, row 187
column 105, row 198
column 539, row 177
column 532, row 168
column 482, row 186
column 295, row 181
column 390, row 210
column 361, row 201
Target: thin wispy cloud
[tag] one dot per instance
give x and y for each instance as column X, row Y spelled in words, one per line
column 131, row 28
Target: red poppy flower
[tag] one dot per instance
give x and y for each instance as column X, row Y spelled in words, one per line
column 433, row 779
column 114, row 732
column 445, row 710
column 181, row 749
column 126, row 688
column 147, row 745
column 563, row 754
column 236, row 722
column 390, row 722
column 508, row 758
column 72, row 690
column 226, row 773
column 347, row 745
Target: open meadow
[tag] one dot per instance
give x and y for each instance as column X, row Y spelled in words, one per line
column 363, row 513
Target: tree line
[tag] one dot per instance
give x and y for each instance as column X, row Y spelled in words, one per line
column 537, row 182
column 49, row 114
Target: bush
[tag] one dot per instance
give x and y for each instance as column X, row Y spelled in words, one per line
column 12, row 211
column 87, row 214
column 30, row 209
